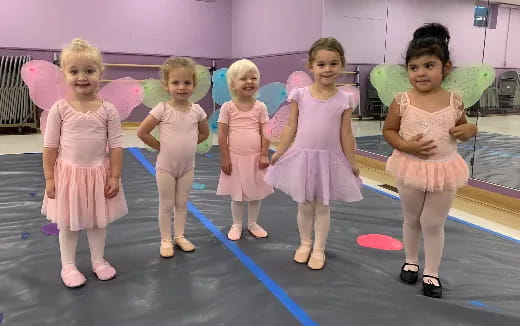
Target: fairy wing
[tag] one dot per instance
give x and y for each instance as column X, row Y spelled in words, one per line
column 274, row 127
column 203, row 83
column 297, row 79
column 205, row 146
column 353, row 93
column 45, row 82
column 389, row 79
column 220, row 91
column 153, row 92
column 273, row 95
column 470, row 81
column 124, row 93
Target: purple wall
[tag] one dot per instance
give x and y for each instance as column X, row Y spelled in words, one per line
column 180, row 27
column 274, row 26
column 360, row 25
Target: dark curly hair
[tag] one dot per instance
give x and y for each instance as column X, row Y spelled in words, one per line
column 430, row 39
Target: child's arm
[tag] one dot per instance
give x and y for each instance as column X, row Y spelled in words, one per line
column 348, row 143
column 414, row 146
column 463, row 130
column 288, row 133
column 203, row 131
column 116, row 165
column 143, row 132
column 51, row 143
column 223, row 132
column 264, row 158
column 115, row 145
column 49, row 160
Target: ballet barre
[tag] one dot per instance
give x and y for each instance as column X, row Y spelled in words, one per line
column 130, row 65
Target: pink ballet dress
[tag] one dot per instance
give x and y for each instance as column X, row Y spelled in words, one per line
column 315, row 167
column 178, row 133
column 82, row 167
column 446, row 169
column 246, row 182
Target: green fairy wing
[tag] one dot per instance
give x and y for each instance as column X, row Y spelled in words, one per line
column 203, row 77
column 389, row 79
column 470, row 81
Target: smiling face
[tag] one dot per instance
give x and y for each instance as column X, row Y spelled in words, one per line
column 326, row 67
column 180, row 84
column 82, row 76
column 245, row 85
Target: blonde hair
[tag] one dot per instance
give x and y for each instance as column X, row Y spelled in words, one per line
column 329, row 44
column 176, row 63
column 82, row 48
column 238, row 69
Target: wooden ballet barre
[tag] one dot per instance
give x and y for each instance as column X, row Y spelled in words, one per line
column 133, row 65
column 111, row 80
column 350, row 72
column 339, row 85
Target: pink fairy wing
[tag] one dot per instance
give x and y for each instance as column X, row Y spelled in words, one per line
column 274, row 127
column 297, row 79
column 353, row 93
column 124, row 93
column 45, row 81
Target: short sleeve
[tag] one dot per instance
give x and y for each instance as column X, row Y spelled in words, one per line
column 264, row 115
column 158, row 111
column 223, row 116
column 201, row 114
column 295, row 95
column 53, row 128
column 401, row 99
column 457, row 103
column 114, row 131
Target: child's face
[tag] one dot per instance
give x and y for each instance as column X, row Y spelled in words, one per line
column 246, row 85
column 82, row 75
column 180, row 84
column 426, row 72
column 326, row 67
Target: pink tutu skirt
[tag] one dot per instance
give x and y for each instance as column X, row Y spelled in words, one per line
column 424, row 175
column 314, row 174
column 80, row 201
column 246, row 182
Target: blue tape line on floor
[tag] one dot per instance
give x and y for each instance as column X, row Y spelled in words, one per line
column 482, row 305
column 262, row 276
column 452, row 218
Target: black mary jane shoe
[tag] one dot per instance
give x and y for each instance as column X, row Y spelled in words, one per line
column 409, row 277
column 431, row 290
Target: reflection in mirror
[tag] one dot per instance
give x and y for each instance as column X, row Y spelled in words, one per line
column 360, row 25
column 496, row 149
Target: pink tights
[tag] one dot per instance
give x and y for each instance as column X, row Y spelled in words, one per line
column 426, row 212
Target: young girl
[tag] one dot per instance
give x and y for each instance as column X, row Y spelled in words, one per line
column 423, row 125
column 82, row 183
column 243, row 148
column 320, row 165
column 182, row 125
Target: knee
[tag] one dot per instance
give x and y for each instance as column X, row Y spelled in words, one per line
column 166, row 205
column 432, row 227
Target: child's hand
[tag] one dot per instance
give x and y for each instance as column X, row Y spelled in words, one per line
column 464, row 131
column 226, row 166
column 355, row 170
column 264, row 161
column 275, row 157
column 50, row 189
column 420, row 148
column 112, row 187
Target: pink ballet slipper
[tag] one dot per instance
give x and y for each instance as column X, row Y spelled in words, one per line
column 235, row 232
column 257, row 231
column 72, row 278
column 103, row 270
column 301, row 256
column 317, row 260
column 184, row 244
